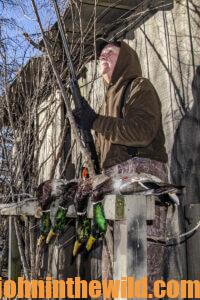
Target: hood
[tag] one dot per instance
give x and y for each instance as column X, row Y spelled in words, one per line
column 127, row 66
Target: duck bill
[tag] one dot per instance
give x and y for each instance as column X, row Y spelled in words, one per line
column 90, row 243
column 77, row 246
column 40, row 240
column 50, row 235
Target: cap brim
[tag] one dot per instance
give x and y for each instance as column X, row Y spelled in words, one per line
column 100, row 44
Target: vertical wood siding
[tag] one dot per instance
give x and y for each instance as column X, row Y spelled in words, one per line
column 49, row 131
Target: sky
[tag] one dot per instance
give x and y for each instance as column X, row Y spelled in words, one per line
column 24, row 20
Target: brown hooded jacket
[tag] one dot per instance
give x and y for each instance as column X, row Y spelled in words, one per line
column 141, row 125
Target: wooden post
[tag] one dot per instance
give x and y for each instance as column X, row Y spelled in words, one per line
column 130, row 240
column 14, row 262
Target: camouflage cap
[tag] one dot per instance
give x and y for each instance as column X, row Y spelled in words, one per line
column 101, row 43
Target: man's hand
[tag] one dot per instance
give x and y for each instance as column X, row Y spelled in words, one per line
column 84, row 116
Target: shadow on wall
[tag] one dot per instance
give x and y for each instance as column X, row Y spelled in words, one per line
column 185, row 166
column 185, row 170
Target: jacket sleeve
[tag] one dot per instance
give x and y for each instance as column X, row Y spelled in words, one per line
column 141, row 120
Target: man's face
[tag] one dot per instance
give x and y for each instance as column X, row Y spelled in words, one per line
column 108, row 59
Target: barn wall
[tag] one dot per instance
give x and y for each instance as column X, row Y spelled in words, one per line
column 49, row 130
column 168, row 45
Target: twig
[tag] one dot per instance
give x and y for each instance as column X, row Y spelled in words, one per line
column 27, row 241
column 5, row 248
column 38, row 258
column 21, row 250
column 32, row 246
column 35, row 45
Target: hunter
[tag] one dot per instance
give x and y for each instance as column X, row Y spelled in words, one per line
column 130, row 124
column 129, row 127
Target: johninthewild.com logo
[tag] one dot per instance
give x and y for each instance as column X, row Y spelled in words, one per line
column 126, row 287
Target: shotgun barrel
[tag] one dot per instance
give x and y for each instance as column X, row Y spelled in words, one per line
column 75, row 90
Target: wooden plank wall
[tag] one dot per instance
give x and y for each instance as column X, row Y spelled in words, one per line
column 49, row 129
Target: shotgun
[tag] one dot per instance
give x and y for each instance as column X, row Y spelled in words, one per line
column 75, row 91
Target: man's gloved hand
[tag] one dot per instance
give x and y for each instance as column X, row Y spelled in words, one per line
column 84, row 116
